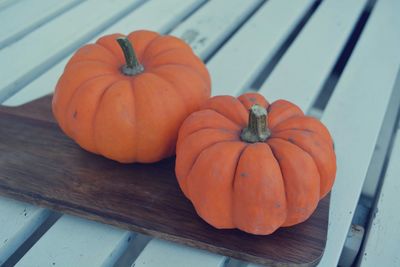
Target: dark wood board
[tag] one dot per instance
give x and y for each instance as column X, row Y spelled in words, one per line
column 40, row 165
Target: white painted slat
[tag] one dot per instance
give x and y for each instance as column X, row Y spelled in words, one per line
column 167, row 254
column 23, row 17
column 155, row 15
column 242, row 58
column 302, row 71
column 383, row 240
column 355, row 114
column 72, row 241
column 208, row 27
column 17, row 222
column 371, row 181
column 39, row 50
column 7, row 3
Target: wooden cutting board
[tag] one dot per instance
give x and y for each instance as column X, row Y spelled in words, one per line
column 40, row 165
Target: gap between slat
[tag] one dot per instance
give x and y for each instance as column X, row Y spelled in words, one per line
column 7, row 3
column 330, row 83
column 17, row 36
column 266, row 71
column 187, row 16
column 250, row 15
column 133, row 250
column 384, row 167
column 19, row 83
column 36, row 235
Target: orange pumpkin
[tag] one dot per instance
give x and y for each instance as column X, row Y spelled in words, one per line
column 127, row 103
column 255, row 166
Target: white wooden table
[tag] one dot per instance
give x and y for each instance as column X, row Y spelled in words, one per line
column 337, row 59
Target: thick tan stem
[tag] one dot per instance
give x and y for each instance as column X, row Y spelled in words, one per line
column 257, row 129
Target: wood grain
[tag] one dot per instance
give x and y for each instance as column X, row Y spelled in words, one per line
column 38, row 109
column 39, row 164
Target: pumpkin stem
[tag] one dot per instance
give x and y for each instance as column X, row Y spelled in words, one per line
column 132, row 66
column 257, row 129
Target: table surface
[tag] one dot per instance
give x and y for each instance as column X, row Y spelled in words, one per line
column 143, row 198
column 337, row 59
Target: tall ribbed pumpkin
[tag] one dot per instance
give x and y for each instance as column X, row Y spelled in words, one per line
column 255, row 166
column 126, row 97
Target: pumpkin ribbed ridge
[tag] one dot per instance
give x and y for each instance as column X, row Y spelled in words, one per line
column 273, row 183
column 140, row 127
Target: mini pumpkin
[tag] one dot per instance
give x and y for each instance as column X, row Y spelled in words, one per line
column 126, row 97
column 255, row 166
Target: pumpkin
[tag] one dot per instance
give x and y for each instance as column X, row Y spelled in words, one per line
column 255, row 166
column 125, row 97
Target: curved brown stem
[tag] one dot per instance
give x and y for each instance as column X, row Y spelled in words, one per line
column 132, row 66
